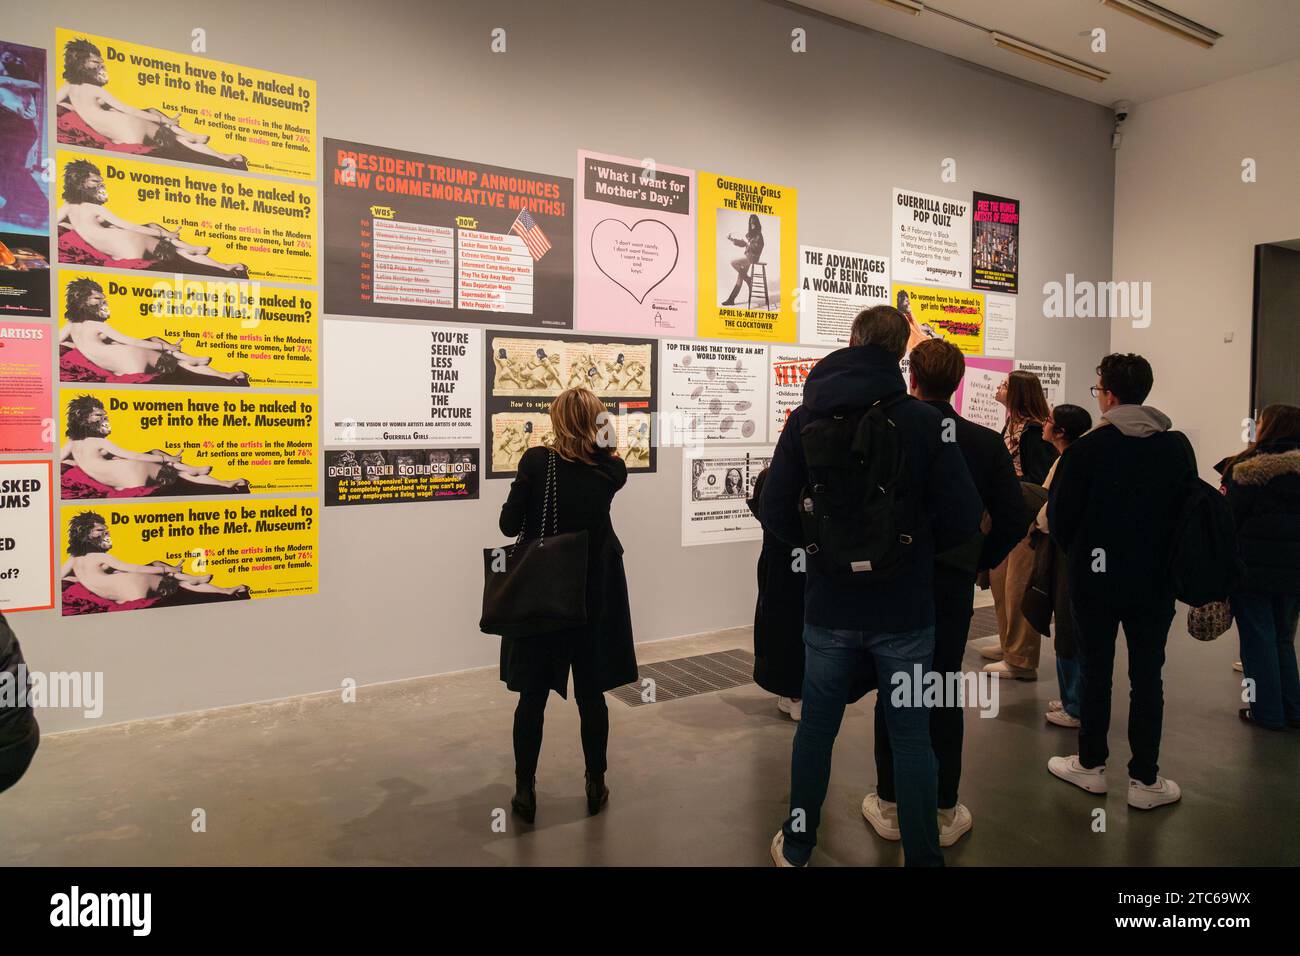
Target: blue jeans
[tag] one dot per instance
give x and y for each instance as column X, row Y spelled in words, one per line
column 836, row 661
column 1267, row 625
column 1067, row 677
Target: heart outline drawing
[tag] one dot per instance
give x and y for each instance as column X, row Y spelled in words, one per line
column 596, row 259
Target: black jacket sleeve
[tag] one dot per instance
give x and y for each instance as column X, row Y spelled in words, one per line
column 779, row 507
column 1006, row 509
column 515, row 510
column 1068, row 495
column 954, row 503
column 1036, row 454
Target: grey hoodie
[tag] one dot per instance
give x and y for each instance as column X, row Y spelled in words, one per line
column 1138, row 421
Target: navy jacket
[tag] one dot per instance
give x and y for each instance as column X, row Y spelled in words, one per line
column 854, row 378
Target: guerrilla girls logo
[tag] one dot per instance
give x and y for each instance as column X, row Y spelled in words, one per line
column 76, row 909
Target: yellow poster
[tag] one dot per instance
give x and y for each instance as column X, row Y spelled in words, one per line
column 126, row 98
column 129, row 214
column 133, row 557
column 134, row 443
column 748, row 247
column 123, row 328
column 950, row 314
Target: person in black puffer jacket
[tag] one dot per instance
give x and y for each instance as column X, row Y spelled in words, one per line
column 1262, row 485
column 19, row 733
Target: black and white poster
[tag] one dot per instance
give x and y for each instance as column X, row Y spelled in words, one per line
column 713, row 391
column 931, row 239
column 716, row 486
column 385, row 476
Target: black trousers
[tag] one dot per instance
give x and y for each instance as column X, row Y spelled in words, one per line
column 954, row 601
column 530, row 713
column 1146, row 629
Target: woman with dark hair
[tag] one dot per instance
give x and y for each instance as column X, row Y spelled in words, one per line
column 586, row 473
column 1027, row 412
column 753, row 246
column 1063, row 426
column 1262, row 486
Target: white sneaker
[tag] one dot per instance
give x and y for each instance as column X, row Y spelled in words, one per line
column 1071, row 771
column 788, row 705
column 954, row 824
column 1147, row 797
column 1010, row 671
column 991, row 653
column 1055, row 705
column 883, row 816
column 1061, row 718
column 778, row 850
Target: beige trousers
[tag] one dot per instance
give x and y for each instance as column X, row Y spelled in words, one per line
column 1008, row 581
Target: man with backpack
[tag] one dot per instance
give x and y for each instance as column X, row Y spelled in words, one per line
column 1114, row 507
column 866, row 484
column 19, row 733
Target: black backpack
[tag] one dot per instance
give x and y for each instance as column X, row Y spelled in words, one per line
column 1204, row 563
column 858, row 510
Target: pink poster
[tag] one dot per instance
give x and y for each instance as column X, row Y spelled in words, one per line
column 26, row 410
column 976, row 398
column 634, row 246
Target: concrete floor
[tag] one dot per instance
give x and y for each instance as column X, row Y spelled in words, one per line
column 413, row 771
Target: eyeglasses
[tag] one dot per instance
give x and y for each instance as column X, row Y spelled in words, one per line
column 1096, row 390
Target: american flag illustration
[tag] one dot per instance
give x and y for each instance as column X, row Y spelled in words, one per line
column 527, row 229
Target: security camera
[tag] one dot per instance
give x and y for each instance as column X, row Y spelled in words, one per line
column 1122, row 109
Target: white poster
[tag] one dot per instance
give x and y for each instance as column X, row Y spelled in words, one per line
column 834, row 286
column 712, row 391
column 26, row 527
column 999, row 326
column 716, row 485
column 389, row 383
column 790, row 367
column 1052, row 376
column 931, row 239
column 976, row 398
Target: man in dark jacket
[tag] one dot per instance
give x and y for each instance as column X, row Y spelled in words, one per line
column 852, row 625
column 936, row 368
column 1113, row 508
column 19, row 733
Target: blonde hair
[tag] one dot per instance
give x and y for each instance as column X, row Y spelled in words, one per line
column 576, row 419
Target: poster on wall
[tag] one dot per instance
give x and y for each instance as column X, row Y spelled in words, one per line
column 1050, row 374
column 24, row 192
column 526, row 371
column 120, row 443
column 634, row 247
column 713, row 391
column 976, row 397
column 140, row 330
column 139, row 100
column 26, row 536
column 995, row 243
column 385, row 476
column 127, row 214
column 999, row 325
column 834, row 286
column 26, row 399
column 949, row 314
column 140, row 556
column 716, row 485
column 748, row 246
column 413, row 236
column 789, row 369
column 931, row 239
column 391, row 382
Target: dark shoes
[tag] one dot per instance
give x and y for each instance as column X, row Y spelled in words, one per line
column 597, row 793
column 1248, row 716
column 524, row 802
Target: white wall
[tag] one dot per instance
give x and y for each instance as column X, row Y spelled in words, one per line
column 707, row 85
column 1186, row 222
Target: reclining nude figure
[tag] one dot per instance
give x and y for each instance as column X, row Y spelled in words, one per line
column 90, row 450
column 84, row 209
column 87, row 330
column 90, row 564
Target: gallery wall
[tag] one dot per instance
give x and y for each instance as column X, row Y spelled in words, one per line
column 707, row 86
column 1188, row 215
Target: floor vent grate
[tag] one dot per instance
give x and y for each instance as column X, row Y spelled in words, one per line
column 689, row 677
column 984, row 623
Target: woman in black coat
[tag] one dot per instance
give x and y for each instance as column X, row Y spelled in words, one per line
column 601, row 654
column 19, row 733
column 778, row 619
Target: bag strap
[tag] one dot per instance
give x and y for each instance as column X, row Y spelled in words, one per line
column 549, row 503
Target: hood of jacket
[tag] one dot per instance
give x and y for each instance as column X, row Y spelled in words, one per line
column 1138, row 421
column 852, row 377
column 1263, row 466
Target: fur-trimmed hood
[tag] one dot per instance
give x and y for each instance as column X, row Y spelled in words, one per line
column 1262, row 467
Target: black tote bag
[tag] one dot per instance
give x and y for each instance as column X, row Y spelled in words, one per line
column 536, row 586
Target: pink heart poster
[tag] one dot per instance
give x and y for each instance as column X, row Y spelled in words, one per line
column 634, row 246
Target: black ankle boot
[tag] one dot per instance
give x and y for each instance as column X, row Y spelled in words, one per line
column 524, row 802
column 597, row 793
